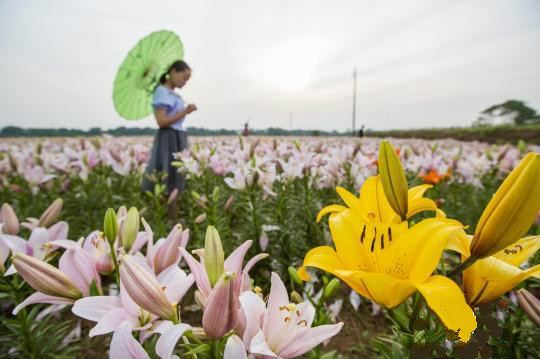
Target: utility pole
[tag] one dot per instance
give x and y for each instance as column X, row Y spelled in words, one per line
column 354, row 104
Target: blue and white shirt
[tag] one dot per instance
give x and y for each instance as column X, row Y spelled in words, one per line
column 171, row 102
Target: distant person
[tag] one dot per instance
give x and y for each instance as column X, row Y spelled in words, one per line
column 246, row 130
column 170, row 112
column 361, row 131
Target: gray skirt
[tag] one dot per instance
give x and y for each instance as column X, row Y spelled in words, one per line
column 166, row 142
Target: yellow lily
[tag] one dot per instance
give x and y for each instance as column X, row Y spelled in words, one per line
column 388, row 262
column 372, row 203
column 489, row 278
column 511, row 211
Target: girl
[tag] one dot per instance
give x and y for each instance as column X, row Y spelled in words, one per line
column 170, row 112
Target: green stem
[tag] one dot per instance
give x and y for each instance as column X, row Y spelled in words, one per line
column 116, row 266
column 255, row 217
column 443, row 266
column 416, row 310
column 393, row 315
column 468, row 262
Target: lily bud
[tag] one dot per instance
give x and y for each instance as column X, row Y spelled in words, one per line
column 130, row 228
column 215, row 194
column 229, row 203
column 296, row 297
column 122, row 212
column 221, row 310
column 214, row 257
column 196, row 196
column 110, row 225
column 9, row 219
column 530, row 304
column 511, row 211
column 172, row 196
column 200, row 218
column 51, row 214
column 393, row 179
column 200, row 299
column 294, row 276
column 331, row 288
column 45, row 278
column 145, row 290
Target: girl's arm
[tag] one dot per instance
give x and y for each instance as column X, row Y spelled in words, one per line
column 164, row 120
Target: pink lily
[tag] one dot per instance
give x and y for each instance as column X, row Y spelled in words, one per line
column 165, row 252
column 281, row 329
column 233, row 264
column 110, row 311
column 38, row 245
column 75, row 268
column 96, row 246
column 238, row 182
column 124, row 346
column 36, row 176
column 234, row 348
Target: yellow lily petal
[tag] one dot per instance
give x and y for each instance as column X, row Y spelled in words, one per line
column 346, row 238
column 420, row 205
column 380, row 287
column 489, row 278
column 374, row 202
column 416, row 254
column 439, row 214
column 333, row 208
column 460, row 242
column 520, row 251
column 446, row 299
column 418, row 191
column 350, row 199
column 324, row 258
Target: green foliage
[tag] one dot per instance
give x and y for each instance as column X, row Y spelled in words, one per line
column 522, row 114
column 25, row 337
column 490, row 134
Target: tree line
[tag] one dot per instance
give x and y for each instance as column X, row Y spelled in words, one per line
column 14, row 131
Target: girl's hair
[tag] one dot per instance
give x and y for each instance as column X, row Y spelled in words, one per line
column 178, row 66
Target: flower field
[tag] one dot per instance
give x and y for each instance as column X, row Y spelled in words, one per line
column 279, row 248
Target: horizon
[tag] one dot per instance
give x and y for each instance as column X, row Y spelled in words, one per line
column 424, row 64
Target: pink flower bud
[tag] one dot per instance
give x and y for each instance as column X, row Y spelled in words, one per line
column 200, row 218
column 172, row 196
column 263, row 241
column 51, row 214
column 221, row 310
column 143, row 287
column 9, row 219
column 229, row 203
column 168, row 254
column 530, row 304
column 45, row 278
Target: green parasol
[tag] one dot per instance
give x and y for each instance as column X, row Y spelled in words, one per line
column 139, row 73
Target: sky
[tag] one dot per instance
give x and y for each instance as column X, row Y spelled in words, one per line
column 278, row 63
